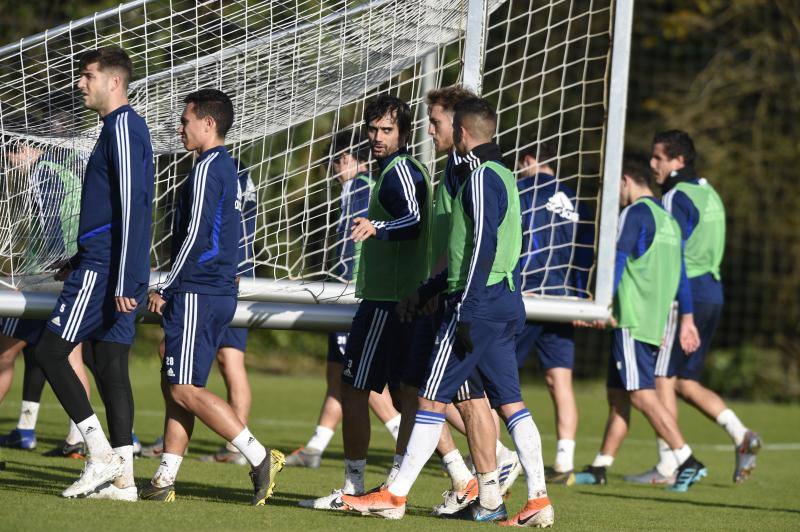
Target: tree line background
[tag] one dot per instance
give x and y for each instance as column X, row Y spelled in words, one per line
column 729, row 74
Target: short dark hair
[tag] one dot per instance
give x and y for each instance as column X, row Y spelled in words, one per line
column 479, row 112
column 677, row 143
column 545, row 152
column 352, row 142
column 386, row 104
column 213, row 103
column 112, row 57
column 638, row 169
column 448, row 97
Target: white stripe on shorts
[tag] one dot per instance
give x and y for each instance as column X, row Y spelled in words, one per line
column 665, row 352
column 631, row 367
column 78, row 309
column 370, row 346
column 10, row 326
column 440, row 361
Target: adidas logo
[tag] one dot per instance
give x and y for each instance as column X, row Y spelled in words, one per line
column 26, row 412
column 354, row 471
column 56, row 321
column 170, row 373
column 347, row 373
column 560, row 204
column 250, row 440
column 89, row 430
column 490, row 483
column 164, row 463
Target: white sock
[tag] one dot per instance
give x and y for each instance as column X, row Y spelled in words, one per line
column 682, row 454
column 565, row 456
column 125, row 480
column 28, row 414
column 489, row 490
column 167, row 471
column 423, row 441
column 732, row 425
column 457, row 469
column 74, row 434
column 529, row 448
column 393, row 426
column 250, row 447
column 666, row 459
column 500, row 450
column 320, row 440
column 396, row 463
column 603, row 460
column 354, row 476
column 95, row 438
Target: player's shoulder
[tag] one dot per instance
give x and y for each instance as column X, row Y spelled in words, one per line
column 635, row 213
column 408, row 166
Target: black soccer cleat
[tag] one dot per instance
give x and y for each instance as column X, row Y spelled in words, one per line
column 154, row 493
column 591, row 475
column 263, row 476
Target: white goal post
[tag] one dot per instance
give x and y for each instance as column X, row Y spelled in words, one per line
column 299, row 71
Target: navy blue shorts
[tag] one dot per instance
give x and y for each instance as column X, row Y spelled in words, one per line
column 632, row 363
column 377, row 347
column 672, row 361
column 235, row 337
column 337, row 345
column 493, row 357
column 554, row 343
column 86, row 310
column 29, row 331
column 417, row 366
column 194, row 325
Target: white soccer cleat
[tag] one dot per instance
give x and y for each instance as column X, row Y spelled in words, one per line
column 328, row 502
column 455, row 501
column 111, row 492
column 95, row 473
column 508, row 469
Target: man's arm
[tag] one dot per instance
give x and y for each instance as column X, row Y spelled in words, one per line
column 486, row 202
column 206, row 193
column 403, row 199
column 128, row 153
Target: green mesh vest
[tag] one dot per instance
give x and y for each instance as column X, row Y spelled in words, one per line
column 509, row 236
column 357, row 245
column 441, row 221
column 390, row 270
column 649, row 283
column 705, row 248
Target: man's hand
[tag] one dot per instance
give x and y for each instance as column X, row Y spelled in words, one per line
column 689, row 337
column 463, row 340
column 407, row 308
column 125, row 304
column 155, row 302
column 596, row 324
column 362, row 229
column 63, row 272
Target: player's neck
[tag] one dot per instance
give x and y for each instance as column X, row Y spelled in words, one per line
column 112, row 105
column 639, row 193
column 216, row 142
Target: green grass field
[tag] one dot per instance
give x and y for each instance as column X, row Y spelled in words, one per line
column 215, row 496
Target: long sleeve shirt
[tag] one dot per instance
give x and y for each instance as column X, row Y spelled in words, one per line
column 206, row 229
column 403, row 193
column 117, row 203
column 637, row 230
column 354, row 203
column 247, row 198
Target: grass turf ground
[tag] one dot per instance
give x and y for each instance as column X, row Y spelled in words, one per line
column 215, row 496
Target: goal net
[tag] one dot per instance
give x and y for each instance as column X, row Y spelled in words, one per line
column 299, row 72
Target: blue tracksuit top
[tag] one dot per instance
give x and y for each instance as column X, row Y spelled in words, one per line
column 403, row 193
column 206, row 229
column 484, row 193
column 705, row 288
column 354, row 202
column 551, row 264
column 117, row 204
column 637, row 229
column 247, row 202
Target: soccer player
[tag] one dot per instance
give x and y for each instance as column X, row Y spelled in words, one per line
column 107, row 279
column 349, row 158
column 198, row 300
column 464, row 487
column 231, row 351
column 699, row 211
column 649, row 271
column 483, row 312
column 556, row 257
column 394, row 261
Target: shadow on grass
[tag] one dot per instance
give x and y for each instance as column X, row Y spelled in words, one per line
column 690, row 502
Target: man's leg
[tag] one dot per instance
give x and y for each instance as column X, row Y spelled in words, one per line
column 329, row 416
column 559, row 384
column 234, row 373
column 9, row 349
column 355, row 436
column 382, row 406
column 73, row 445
